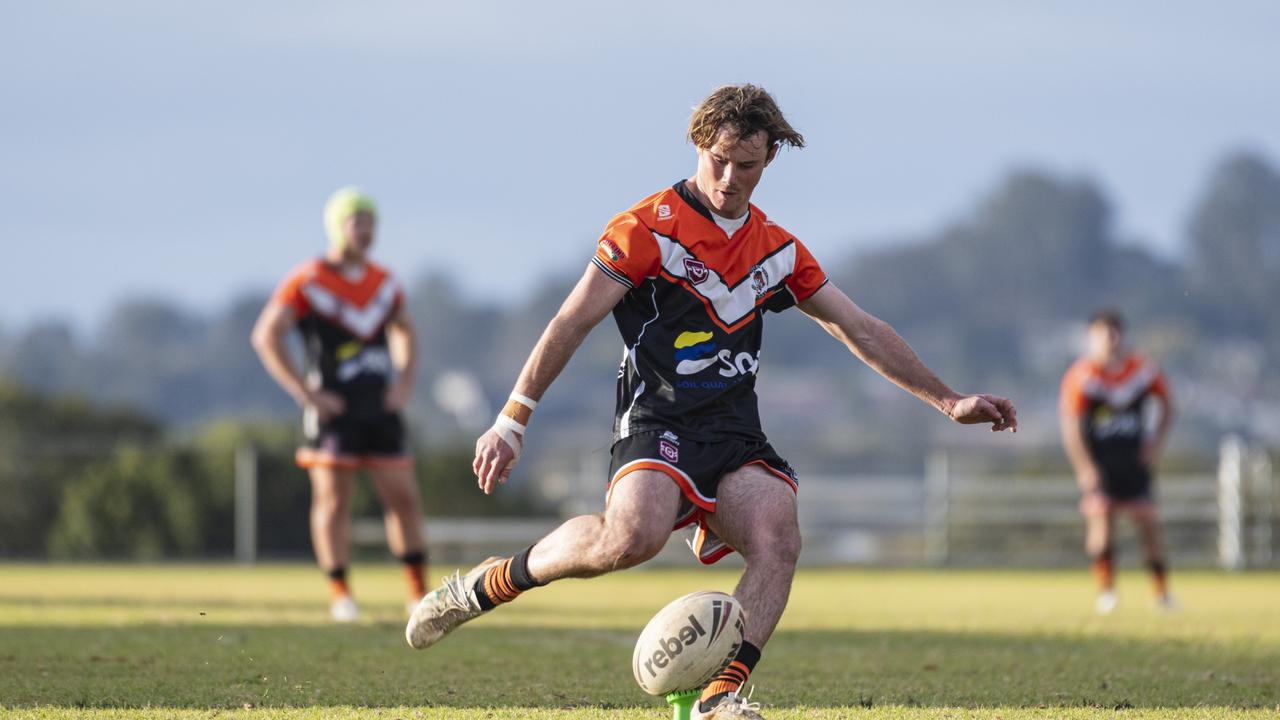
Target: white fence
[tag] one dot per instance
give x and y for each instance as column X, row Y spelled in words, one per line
column 945, row 516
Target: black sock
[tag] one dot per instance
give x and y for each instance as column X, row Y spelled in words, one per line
column 338, row 573
column 732, row 678
column 503, row 582
column 413, row 558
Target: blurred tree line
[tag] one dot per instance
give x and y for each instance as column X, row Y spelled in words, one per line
column 993, row 301
column 83, row 482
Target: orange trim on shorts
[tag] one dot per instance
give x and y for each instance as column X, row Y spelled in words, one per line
column 794, row 488
column 684, row 483
column 308, row 458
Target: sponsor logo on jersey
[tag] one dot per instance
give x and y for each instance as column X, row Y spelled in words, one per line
column 668, row 451
column 373, row 359
column 1108, row 424
column 664, row 212
column 759, row 280
column 695, row 270
column 611, row 250
column 695, row 352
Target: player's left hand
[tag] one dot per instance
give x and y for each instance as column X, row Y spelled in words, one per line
column 396, row 396
column 495, row 458
column 977, row 409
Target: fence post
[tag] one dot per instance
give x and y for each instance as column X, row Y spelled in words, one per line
column 937, row 507
column 246, row 513
column 1262, row 502
column 1231, row 459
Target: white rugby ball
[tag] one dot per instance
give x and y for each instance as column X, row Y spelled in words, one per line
column 688, row 642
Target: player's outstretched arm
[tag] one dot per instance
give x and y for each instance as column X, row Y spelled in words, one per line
column 874, row 342
column 592, row 298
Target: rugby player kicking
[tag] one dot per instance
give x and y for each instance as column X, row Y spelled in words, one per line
column 688, row 274
column 360, row 361
column 1105, row 396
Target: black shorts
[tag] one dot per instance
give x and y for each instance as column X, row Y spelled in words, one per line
column 696, row 468
column 354, row 442
column 1130, row 482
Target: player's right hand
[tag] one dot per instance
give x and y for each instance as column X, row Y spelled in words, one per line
column 327, row 404
column 494, row 459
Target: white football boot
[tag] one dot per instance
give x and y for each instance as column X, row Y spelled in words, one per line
column 446, row 607
column 1167, row 603
column 1106, row 602
column 731, row 707
column 344, row 610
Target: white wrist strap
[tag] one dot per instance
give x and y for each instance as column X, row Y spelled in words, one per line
column 524, row 400
column 507, row 429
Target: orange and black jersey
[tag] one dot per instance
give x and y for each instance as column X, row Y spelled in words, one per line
column 1111, row 402
column 343, row 320
column 692, row 320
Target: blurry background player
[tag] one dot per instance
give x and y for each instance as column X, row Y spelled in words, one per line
column 360, row 360
column 1105, row 396
column 689, row 273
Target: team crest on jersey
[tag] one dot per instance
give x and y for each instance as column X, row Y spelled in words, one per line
column 696, row 271
column 612, row 250
column 669, row 452
column 664, row 212
column 759, row 280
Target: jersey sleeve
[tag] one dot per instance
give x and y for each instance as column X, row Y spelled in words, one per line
column 290, row 294
column 1072, row 401
column 807, row 277
column 627, row 251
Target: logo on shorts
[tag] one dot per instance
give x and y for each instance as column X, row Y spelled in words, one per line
column 668, row 435
column 669, row 452
column 664, row 212
column 612, row 250
column 695, row 271
column 759, row 280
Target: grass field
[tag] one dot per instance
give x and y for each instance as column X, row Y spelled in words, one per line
column 224, row 642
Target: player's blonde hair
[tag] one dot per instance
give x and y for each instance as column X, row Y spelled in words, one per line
column 740, row 111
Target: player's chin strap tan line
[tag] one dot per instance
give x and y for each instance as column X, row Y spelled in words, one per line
column 512, row 422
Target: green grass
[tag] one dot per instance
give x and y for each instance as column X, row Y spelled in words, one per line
column 224, row 642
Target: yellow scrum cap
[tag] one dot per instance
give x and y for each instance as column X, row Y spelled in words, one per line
column 343, row 204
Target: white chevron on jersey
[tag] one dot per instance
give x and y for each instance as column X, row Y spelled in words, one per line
column 1123, row 394
column 730, row 304
column 361, row 321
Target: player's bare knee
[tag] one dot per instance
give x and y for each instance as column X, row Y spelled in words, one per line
column 630, row 546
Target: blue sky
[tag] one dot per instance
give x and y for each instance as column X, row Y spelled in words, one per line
column 184, row 150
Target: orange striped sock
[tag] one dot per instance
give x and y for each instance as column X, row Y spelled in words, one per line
column 504, row 582
column 338, row 583
column 415, row 567
column 498, row 586
column 732, row 678
column 1160, row 577
column 1103, row 569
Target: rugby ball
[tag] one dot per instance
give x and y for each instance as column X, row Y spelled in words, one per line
column 688, row 642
